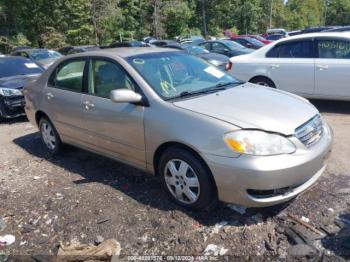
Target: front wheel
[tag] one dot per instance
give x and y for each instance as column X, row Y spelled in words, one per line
column 49, row 136
column 186, row 180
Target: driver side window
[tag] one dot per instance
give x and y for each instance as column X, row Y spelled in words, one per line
column 218, row 47
column 105, row 76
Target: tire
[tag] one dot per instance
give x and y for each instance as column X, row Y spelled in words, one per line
column 263, row 81
column 49, row 136
column 193, row 187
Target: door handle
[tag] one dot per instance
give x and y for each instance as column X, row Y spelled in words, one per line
column 49, row 95
column 322, row 67
column 274, row 66
column 88, row 105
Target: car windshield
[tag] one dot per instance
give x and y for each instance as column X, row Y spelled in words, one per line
column 196, row 50
column 18, row 66
column 260, row 38
column 255, row 42
column 233, row 44
column 176, row 74
column 44, row 54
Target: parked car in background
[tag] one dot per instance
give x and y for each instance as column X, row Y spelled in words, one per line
column 259, row 38
column 194, row 39
column 317, row 29
column 15, row 73
column 248, row 42
column 226, row 47
column 311, row 65
column 163, row 43
column 42, row 57
column 68, row 50
column 206, row 135
column 275, row 37
column 296, row 32
column 338, row 29
column 128, row 44
column 218, row 60
column 274, row 31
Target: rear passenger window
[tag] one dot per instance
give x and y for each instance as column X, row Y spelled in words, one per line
column 302, row 49
column 333, row 49
column 69, row 76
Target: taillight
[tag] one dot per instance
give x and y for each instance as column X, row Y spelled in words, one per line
column 229, row 66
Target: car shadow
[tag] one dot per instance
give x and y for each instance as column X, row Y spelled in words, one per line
column 142, row 187
column 332, row 106
column 339, row 243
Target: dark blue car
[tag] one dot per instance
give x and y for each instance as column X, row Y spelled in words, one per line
column 15, row 72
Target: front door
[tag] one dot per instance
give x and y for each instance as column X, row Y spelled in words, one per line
column 113, row 128
column 332, row 78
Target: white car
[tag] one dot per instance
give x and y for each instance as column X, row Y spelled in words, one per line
column 311, row 65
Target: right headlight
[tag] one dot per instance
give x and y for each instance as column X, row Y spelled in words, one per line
column 258, row 143
column 10, row 92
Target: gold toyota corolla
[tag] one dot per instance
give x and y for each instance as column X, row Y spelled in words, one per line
column 205, row 134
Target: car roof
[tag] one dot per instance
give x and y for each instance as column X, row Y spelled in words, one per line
column 128, row 51
column 15, row 58
column 319, row 34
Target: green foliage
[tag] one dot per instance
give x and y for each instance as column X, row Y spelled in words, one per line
column 54, row 23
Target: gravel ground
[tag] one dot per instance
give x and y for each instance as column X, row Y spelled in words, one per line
column 82, row 197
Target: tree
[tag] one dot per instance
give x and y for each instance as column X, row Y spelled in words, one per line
column 177, row 15
column 337, row 12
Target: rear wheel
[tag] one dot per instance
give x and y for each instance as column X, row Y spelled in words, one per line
column 49, row 136
column 263, row 81
column 186, row 180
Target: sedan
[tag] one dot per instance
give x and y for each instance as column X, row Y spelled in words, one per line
column 311, row 65
column 226, row 47
column 15, row 72
column 42, row 57
column 207, row 136
column 218, row 60
column 248, row 42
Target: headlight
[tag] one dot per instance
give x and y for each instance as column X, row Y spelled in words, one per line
column 215, row 62
column 259, row 143
column 10, row 92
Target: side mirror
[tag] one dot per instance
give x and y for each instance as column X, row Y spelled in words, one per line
column 125, row 96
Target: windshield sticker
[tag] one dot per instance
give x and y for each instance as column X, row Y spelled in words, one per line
column 30, row 65
column 214, row 72
column 138, row 61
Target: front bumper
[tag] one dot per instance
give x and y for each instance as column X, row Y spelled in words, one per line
column 11, row 107
column 264, row 181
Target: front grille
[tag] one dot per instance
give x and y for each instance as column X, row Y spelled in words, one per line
column 310, row 132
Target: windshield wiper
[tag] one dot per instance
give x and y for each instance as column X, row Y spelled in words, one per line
column 222, row 84
column 193, row 93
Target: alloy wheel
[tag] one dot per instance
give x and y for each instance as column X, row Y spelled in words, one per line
column 48, row 135
column 182, row 181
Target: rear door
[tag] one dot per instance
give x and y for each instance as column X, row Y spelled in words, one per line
column 62, row 97
column 113, row 128
column 332, row 78
column 291, row 66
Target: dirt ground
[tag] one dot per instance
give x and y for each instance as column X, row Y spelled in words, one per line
column 82, row 197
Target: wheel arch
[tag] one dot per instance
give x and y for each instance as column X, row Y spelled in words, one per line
column 262, row 76
column 167, row 145
column 38, row 115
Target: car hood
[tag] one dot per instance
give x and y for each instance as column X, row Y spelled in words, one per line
column 18, row 81
column 254, row 107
